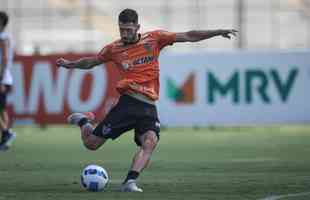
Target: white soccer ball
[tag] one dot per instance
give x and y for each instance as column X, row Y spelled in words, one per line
column 94, row 178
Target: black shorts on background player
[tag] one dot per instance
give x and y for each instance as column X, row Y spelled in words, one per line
column 3, row 97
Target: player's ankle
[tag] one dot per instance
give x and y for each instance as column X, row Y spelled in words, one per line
column 6, row 132
column 5, row 135
column 132, row 175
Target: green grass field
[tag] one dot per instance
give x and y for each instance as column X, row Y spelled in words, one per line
column 218, row 163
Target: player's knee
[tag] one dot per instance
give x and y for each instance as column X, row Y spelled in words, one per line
column 91, row 146
column 93, row 142
column 150, row 142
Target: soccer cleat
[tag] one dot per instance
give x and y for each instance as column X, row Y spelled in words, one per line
column 75, row 118
column 130, row 186
column 7, row 141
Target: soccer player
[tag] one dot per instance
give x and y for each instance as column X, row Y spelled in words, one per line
column 136, row 57
column 6, row 81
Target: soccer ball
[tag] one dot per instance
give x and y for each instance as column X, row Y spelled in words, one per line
column 94, row 178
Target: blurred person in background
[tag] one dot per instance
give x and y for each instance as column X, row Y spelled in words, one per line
column 6, row 81
column 136, row 57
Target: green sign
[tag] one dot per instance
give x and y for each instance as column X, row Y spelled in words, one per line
column 263, row 80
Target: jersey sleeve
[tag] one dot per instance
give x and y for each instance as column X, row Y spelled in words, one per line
column 165, row 38
column 105, row 54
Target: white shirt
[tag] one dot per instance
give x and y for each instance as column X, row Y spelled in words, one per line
column 7, row 76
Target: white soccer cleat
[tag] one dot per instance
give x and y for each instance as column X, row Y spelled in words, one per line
column 75, row 118
column 130, row 186
column 10, row 139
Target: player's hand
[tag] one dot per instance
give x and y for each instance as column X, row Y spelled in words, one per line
column 229, row 33
column 61, row 62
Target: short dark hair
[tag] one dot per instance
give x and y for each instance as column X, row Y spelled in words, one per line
column 128, row 16
column 4, row 18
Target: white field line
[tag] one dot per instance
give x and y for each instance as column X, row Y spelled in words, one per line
column 276, row 197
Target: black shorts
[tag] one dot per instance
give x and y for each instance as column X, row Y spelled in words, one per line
column 3, row 97
column 129, row 113
column 3, row 100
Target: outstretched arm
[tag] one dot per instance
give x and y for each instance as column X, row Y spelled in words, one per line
column 198, row 35
column 83, row 63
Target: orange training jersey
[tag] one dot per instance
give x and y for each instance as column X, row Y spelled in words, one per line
column 138, row 63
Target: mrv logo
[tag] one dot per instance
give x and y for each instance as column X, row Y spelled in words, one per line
column 183, row 93
column 252, row 85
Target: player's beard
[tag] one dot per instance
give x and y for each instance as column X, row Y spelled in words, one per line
column 131, row 40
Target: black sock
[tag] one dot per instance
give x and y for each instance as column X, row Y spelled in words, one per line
column 82, row 122
column 132, row 175
column 5, row 132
